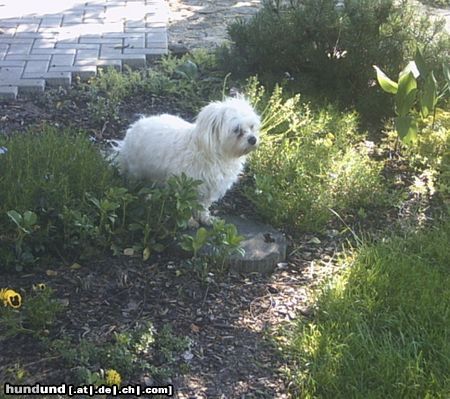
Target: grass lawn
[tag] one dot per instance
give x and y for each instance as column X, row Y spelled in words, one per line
column 382, row 328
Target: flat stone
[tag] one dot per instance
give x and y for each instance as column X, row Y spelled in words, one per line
column 263, row 245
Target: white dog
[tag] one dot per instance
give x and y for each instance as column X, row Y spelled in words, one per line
column 212, row 150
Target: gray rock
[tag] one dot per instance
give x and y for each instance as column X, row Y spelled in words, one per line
column 264, row 246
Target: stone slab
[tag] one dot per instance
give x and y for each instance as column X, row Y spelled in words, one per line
column 264, row 246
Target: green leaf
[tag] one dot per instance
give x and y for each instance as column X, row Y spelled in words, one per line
column 16, row 217
column 30, row 218
column 410, row 68
column 421, row 63
column 146, row 254
column 202, row 235
column 446, row 70
column 187, row 70
column 406, row 94
column 406, row 127
column 386, row 84
column 428, row 99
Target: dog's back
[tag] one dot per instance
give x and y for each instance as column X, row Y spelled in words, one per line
column 149, row 145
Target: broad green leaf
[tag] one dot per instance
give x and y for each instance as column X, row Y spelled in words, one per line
column 421, row 64
column 386, row 84
column 428, row 99
column 16, row 217
column 188, row 70
column 406, row 127
column 406, row 94
column 30, row 218
column 410, row 68
column 202, row 235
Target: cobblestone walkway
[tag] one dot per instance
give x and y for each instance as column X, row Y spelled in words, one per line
column 47, row 42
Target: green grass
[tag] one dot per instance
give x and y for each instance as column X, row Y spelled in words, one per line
column 382, row 328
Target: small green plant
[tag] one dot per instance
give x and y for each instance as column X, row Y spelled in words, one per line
column 211, row 248
column 37, row 313
column 142, row 349
column 25, row 224
column 413, row 103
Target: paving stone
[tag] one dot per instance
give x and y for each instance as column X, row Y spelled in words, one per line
column 36, row 67
column 83, row 72
column 8, row 92
column 52, row 51
column 263, row 245
column 29, row 85
column 28, row 57
column 62, row 59
column 12, row 63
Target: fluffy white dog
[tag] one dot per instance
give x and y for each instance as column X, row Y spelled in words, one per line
column 213, row 149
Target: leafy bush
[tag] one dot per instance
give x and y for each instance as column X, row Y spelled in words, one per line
column 50, row 169
column 326, row 49
column 43, row 173
column 309, row 162
column 381, row 328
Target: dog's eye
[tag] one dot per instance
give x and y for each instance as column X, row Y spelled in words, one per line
column 237, row 129
column 252, row 127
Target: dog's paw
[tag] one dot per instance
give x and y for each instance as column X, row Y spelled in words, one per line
column 207, row 219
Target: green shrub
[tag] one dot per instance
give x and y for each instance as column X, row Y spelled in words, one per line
column 309, row 162
column 381, row 328
column 41, row 174
column 326, row 50
column 50, row 169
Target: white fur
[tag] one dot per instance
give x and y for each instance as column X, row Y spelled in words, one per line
column 212, row 150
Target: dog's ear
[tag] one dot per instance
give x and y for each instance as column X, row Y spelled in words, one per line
column 209, row 124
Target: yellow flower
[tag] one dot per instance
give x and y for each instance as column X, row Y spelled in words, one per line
column 11, row 298
column 113, row 377
column 39, row 287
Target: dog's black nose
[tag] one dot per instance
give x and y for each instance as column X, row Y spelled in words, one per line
column 252, row 140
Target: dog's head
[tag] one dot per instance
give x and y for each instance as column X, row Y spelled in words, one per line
column 229, row 128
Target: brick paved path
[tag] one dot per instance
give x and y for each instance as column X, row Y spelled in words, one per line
column 49, row 42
